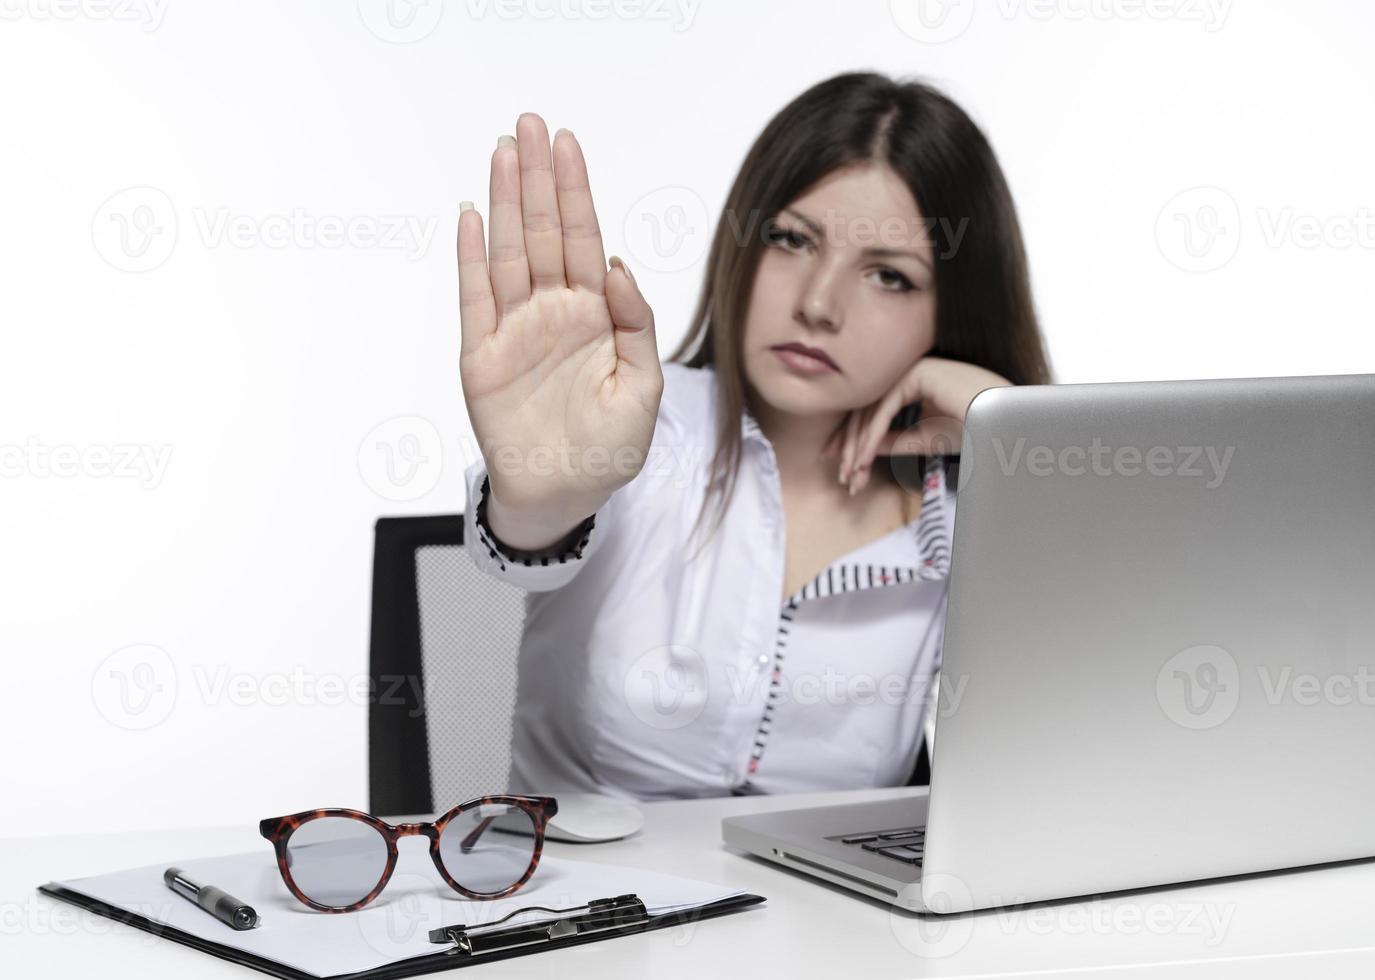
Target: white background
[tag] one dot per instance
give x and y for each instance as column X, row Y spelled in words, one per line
column 151, row 155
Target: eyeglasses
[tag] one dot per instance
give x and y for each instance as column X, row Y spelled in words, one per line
column 339, row 860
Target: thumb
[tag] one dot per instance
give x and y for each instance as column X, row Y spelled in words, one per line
column 632, row 319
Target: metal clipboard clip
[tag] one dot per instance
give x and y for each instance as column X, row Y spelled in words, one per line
column 597, row 915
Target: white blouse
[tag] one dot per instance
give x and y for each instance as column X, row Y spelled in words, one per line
column 646, row 675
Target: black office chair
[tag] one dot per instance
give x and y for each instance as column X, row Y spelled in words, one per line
column 444, row 648
column 445, row 640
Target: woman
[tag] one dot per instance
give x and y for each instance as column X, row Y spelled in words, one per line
column 868, row 260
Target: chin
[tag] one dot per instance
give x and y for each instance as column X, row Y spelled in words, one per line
column 785, row 392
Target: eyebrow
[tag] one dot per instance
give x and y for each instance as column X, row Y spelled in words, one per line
column 877, row 252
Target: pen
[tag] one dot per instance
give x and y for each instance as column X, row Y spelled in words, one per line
column 218, row 903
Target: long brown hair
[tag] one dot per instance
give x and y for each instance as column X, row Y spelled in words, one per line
column 984, row 310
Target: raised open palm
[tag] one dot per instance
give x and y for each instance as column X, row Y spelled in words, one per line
column 558, row 355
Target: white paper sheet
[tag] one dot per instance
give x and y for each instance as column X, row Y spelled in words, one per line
column 394, row 927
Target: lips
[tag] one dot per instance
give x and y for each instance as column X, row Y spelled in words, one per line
column 816, row 352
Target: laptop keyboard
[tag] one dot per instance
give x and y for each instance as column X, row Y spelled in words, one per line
column 905, row 844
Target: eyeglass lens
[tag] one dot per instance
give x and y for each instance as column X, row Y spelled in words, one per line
column 336, row 861
column 488, row 848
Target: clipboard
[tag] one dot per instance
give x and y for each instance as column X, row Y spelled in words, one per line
column 602, row 918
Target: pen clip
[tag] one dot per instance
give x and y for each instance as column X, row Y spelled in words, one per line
column 599, row 914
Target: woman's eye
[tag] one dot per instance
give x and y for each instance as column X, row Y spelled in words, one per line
column 897, row 282
column 787, row 238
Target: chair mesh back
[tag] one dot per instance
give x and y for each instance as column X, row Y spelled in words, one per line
column 470, row 630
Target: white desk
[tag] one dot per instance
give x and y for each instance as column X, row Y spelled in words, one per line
column 1311, row 924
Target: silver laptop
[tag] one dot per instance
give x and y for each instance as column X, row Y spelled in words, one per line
column 1159, row 656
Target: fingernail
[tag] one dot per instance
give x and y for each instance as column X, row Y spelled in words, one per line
column 840, row 474
column 853, row 487
column 562, row 130
column 464, row 206
column 506, row 141
column 625, row 268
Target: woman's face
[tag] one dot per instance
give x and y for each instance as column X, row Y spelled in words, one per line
column 846, row 268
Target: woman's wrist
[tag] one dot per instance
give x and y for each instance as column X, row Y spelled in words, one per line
column 535, row 532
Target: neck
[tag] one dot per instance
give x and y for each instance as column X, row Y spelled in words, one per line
column 797, row 442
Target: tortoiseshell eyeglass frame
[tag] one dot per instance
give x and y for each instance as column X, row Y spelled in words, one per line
column 279, row 830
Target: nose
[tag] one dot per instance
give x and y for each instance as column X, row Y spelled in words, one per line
column 817, row 304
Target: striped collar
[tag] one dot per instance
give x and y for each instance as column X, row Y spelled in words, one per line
column 929, row 545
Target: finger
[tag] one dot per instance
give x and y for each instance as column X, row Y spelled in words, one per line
column 852, row 445
column 476, row 312
column 633, row 320
column 894, row 444
column 510, row 272
column 877, row 425
column 584, row 261
column 847, row 457
column 909, row 389
column 539, row 204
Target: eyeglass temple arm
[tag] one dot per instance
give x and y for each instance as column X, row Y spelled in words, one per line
column 551, row 808
column 470, row 840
